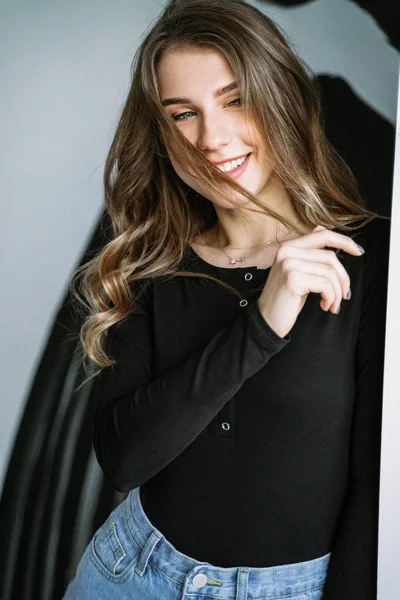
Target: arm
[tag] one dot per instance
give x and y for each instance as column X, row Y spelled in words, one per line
column 141, row 424
column 352, row 571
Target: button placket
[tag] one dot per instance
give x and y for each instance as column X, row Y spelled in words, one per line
column 226, row 419
column 243, row 302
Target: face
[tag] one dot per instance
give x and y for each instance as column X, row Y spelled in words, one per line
column 214, row 122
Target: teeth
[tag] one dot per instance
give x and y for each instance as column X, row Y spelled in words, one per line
column 229, row 166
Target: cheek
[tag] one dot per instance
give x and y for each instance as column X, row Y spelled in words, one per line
column 178, row 170
column 188, row 179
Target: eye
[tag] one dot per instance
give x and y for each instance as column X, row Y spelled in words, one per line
column 178, row 117
column 181, row 116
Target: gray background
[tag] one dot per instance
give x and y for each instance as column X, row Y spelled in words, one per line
column 65, row 69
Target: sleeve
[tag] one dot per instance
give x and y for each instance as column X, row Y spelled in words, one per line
column 142, row 423
column 352, row 571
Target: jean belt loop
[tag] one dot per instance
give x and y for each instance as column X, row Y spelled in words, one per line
column 242, row 584
column 145, row 554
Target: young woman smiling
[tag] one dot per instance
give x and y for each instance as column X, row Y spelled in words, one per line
column 234, row 404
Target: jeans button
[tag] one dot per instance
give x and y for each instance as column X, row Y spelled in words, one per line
column 199, row 580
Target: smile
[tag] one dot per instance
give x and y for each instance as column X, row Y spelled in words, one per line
column 235, row 168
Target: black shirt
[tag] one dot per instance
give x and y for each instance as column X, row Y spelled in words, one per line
column 252, row 449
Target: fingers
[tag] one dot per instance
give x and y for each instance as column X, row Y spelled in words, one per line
column 315, row 276
column 305, row 258
column 322, row 266
column 326, row 288
column 321, row 237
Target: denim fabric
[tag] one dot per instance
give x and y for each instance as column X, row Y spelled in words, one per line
column 128, row 558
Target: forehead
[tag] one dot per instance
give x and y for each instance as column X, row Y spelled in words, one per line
column 190, row 71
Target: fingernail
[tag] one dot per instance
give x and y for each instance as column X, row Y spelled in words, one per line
column 361, row 249
column 348, row 296
column 338, row 309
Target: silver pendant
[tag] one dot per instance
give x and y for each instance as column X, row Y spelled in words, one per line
column 234, row 260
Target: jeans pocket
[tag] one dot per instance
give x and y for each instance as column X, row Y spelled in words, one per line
column 112, row 548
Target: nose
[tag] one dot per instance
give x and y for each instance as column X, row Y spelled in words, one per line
column 213, row 133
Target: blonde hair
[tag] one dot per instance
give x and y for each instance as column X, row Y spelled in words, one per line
column 154, row 214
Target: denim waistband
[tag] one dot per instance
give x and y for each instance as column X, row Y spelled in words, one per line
column 196, row 577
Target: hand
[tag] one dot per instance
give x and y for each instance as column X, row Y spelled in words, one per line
column 302, row 266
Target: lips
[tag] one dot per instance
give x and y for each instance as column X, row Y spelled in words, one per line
column 222, row 162
column 238, row 171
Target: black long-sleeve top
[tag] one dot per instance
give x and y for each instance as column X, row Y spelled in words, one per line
column 252, row 449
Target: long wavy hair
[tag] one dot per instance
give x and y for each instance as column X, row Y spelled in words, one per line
column 154, row 214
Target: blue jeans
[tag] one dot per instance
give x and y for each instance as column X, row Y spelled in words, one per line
column 128, row 558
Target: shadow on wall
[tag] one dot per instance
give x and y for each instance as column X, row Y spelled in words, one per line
column 385, row 12
column 363, row 138
column 54, row 495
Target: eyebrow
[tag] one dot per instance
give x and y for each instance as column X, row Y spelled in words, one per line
column 220, row 92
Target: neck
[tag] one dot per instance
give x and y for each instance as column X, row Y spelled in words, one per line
column 231, row 234
column 246, row 229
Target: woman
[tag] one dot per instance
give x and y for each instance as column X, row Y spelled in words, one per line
column 234, row 402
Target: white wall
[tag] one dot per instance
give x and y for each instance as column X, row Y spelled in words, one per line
column 340, row 38
column 389, row 526
column 64, row 70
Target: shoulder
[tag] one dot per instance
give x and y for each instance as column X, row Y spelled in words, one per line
column 374, row 235
column 375, row 239
column 140, row 287
column 141, row 297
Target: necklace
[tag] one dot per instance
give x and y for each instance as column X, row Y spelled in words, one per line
column 233, row 261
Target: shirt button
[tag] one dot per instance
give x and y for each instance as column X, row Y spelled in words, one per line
column 243, row 303
column 199, row 580
column 248, row 276
column 225, row 426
